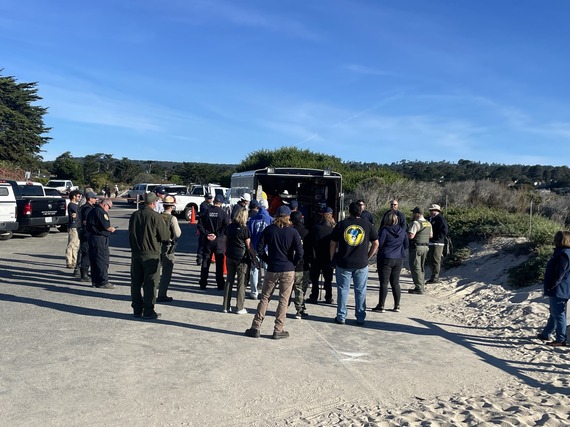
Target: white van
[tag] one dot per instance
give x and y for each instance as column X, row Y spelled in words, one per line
column 8, row 210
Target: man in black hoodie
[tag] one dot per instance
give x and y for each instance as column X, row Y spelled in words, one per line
column 281, row 248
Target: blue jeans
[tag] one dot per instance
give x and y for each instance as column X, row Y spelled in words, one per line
column 359, row 278
column 557, row 320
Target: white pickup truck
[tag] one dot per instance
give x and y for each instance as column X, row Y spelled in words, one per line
column 62, row 186
column 8, row 211
column 188, row 199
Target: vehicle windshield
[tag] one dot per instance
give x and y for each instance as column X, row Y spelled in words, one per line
column 176, row 189
column 31, row 190
column 55, row 184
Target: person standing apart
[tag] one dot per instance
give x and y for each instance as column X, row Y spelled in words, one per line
column 147, row 231
column 436, row 242
column 419, row 234
column 212, row 225
column 353, row 242
column 72, row 226
column 238, row 254
column 168, row 249
column 99, row 228
column 392, row 247
column 557, row 289
column 281, row 248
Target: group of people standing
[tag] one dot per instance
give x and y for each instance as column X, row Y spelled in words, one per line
column 424, row 240
column 88, row 229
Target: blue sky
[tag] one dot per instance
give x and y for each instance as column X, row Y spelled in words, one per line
column 368, row 81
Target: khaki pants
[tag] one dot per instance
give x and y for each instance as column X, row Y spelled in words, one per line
column 272, row 280
column 72, row 247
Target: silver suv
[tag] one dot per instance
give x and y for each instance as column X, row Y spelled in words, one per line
column 140, row 190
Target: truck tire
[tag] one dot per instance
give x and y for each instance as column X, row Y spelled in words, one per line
column 6, row 236
column 188, row 212
column 40, row 232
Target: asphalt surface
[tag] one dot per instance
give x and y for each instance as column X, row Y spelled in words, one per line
column 74, row 355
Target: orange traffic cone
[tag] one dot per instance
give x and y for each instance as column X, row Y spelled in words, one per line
column 213, row 257
column 193, row 216
column 225, row 269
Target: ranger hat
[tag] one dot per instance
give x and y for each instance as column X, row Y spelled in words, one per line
column 90, row 195
column 434, row 207
column 283, row 211
column 150, row 198
column 417, row 209
column 219, row 199
column 169, row 201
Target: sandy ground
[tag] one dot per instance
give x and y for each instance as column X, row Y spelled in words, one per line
column 464, row 354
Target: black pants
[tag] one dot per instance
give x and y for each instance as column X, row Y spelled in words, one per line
column 99, row 258
column 207, row 249
column 83, row 256
column 316, row 269
column 389, row 272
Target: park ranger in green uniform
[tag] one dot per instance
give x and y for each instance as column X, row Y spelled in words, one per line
column 147, row 231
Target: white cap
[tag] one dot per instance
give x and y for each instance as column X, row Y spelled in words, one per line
column 246, row 197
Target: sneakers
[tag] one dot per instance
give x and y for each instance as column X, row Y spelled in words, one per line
column 224, row 310
column 252, row 296
column 280, row 335
column 301, row 314
column 379, row 309
column 152, row 315
column 543, row 337
column 556, row 343
column 338, row 321
column 415, row 291
column 252, row 332
column 242, row 311
column 164, row 299
column 430, row 281
column 397, row 309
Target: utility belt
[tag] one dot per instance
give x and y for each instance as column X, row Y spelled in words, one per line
column 420, row 244
column 437, row 244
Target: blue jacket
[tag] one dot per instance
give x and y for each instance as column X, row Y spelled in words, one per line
column 393, row 241
column 557, row 275
column 256, row 224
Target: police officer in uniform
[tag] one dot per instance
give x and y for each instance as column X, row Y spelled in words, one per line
column 99, row 228
column 212, row 225
column 168, row 249
column 83, row 263
column 204, row 206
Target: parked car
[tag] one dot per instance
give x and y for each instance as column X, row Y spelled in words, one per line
column 139, row 191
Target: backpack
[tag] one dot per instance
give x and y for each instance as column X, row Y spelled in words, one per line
column 447, row 247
